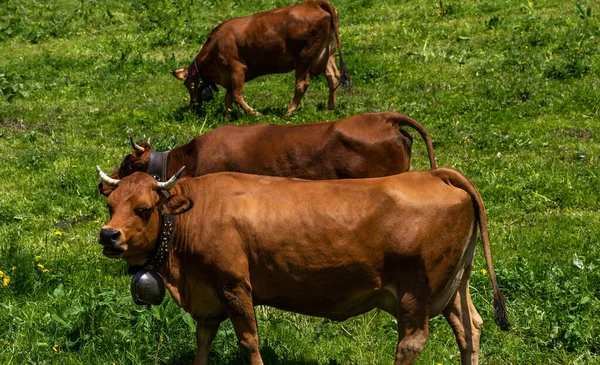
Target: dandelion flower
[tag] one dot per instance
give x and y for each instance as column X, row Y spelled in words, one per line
column 55, row 347
column 57, row 233
column 40, row 266
column 45, row 270
column 483, row 271
column 38, row 257
column 5, row 281
column 1, row 273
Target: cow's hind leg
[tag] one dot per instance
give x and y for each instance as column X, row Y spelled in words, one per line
column 240, row 309
column 413, row 323
column 333, row 80
column 302, row 81
column 465, row 322
column 206, row 330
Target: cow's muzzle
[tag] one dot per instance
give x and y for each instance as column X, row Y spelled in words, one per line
column 111, row 240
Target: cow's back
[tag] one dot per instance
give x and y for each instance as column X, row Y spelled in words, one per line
column 268, row 42
column 367, row 145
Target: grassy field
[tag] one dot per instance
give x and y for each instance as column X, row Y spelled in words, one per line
column 509, row 90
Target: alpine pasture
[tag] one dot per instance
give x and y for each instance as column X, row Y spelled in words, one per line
column 509, row 91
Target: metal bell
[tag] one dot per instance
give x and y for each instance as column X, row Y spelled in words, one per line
column 147, row 287
column 206, row 93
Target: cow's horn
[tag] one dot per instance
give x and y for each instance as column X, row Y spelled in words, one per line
column 107, row 179
column 136, row 147
column 168, row 185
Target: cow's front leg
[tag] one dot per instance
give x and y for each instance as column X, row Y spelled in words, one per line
column 228, row 101
column 238, row 77
column 413, row 325
column 333, row 80
column 240, row 309
column 302, row 81
column 465, row 322
column 206, row 330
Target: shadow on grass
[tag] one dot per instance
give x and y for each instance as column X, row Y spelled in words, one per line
column 238, row 357
column 181, row 112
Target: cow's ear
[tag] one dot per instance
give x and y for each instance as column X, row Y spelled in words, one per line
column 177, row 204
column 181, row 74
column 105, row 189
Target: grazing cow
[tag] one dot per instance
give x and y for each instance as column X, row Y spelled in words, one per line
column 300, row 37
column 365, row 145
column 333, row 249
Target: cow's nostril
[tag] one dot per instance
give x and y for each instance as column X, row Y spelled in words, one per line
column 109, row 236
column 115, row 236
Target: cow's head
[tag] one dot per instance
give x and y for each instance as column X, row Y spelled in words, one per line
column 135, row 207
column 138, row 160
column 199, row 90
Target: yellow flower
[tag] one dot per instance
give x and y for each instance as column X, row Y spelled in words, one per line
column 57, row 233
column 45, row 270
column 14, row 268
column 38, row 257
column 5, row 281
column 40, row 266
column 55, row 347
column 483, row 271
column 1, row 273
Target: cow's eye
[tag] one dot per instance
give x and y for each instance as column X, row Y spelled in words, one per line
column 143, row 210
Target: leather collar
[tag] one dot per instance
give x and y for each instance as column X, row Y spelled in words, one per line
column 165, row 239
column 158, row 164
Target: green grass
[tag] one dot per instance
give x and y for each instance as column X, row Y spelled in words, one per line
column 509, row 91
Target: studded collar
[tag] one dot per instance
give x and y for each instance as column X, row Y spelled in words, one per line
column 165, row 238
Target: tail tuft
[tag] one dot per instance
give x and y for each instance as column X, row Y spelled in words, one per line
column 500, row 312
column 345, row 81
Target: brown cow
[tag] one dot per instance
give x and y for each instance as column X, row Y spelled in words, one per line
column 365, row 145
column 334, row 249
column 300, row 37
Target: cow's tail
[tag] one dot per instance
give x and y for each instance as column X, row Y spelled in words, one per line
column 405, row 120
column 455, row 178
column 328, row 7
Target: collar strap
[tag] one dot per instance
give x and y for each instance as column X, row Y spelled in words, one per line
column 165, row 241
column 158, row 164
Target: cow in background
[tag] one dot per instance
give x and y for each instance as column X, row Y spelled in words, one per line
column 364, row 145
column 300, row 37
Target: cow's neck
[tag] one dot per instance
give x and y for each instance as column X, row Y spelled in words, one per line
column 184, row 155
